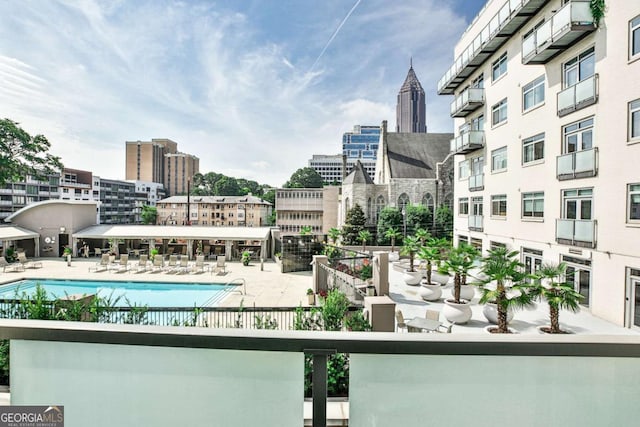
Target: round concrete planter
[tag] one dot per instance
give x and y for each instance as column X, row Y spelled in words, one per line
column 466, row 292
column 412, row 278
column 430, row 292
column 490, row 311
column 440, row 278
column 394, row 256
column 457, row 313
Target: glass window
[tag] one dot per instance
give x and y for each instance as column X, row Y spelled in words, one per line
column 478, row 82
column 403, row 201
column 499, row 112
column 499, row 159
column 477, row 163
column 533, row 93
column 499, row 205
column 477, row 123
column 577, row 136
column 634, row 202
column 634, row 118
column 463, row 206
column 533, row 205
column 634, row 37
column 579, row 68
column 463, row 169
column 499, row 67
column 533, row 148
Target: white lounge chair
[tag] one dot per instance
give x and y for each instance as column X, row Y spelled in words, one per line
column 220, row 264
column 158, row 263
column 122, row 265
column 200, row 266
column 143, row 264
column 172, row 265
column 10, row 267
column 101, row 265
column 22, row 259
column 183, row 267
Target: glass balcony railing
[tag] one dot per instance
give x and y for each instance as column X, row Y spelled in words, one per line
column 476, row 182
column 579, row 164
column 475, row 222
column 576, row 232
column 468, row 101
column 511, row 16
column 569, row 24
column 578, row 96
column 467, row 142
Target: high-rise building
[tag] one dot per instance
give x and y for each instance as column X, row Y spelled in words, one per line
column 16, row 195
column 552, row 171
column 179, row 169
column 411, row 107
column 330, row 167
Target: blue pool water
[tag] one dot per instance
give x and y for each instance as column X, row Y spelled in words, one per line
column 151, row 294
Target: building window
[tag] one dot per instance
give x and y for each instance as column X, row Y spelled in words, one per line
column 499, row 205
column 633, row 191
column 577, row 136
column 499, row 112
column 463, row 169
column 532, row 260
column 634, row 38
column 463, row 206
column 533, row 205
column 533, row 93
column 634, row 119
column 495, row 245
column 463, row 239
column 476, row 206
column 476, row 243
column 499, row 159
column 477, row 123
column 403, row 201
column 579, row 68
column 577, row 204
column 427, row 201
column 533, row 148
column 499, row 67
column 478, row 82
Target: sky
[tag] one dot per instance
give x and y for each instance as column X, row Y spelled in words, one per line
column 253, row 88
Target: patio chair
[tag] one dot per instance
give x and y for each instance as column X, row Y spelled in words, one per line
column 206, row 251
column 183, row 266
column 172, row 265
column 122, row 265
column 158, row 263
column 10, row 267
column 401, row 323
column 220, row 264
column 101, row 265
column 143, row 264
column 200, row 265
column 445, row 329
column 432, row 315
column 22, row 259
column 98, row 252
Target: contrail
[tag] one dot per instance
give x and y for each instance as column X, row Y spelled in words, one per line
column 333, row 36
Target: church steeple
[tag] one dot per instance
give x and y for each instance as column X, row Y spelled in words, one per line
column 410, row 111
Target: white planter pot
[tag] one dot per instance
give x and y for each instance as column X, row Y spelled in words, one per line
column 490, row 311
column 438, row 277
column 466, row 292
column 430, row 292
column 457, row 313
column 412, row 278
column 394, row 256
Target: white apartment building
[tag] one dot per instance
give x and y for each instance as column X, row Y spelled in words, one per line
column 547, row 117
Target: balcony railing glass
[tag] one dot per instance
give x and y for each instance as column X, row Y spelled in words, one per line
column 467, row 101
column 579, row 164
column 468, row 141
column 576, row 232
column 475, row 222
column 578, row 96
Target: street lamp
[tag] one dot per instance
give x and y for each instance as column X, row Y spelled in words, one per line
column 404, row 221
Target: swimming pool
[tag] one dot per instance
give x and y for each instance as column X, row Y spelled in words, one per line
column 151, row 294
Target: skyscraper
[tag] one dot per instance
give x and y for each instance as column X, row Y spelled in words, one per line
column 410, row 111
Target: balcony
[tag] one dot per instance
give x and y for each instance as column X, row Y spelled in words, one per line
column 476, row 182
column 510, row 18
column 579, row 164
column 475, row 222
column 572, row 22
column 576, row 232
column 578, row 96
column 468, row 101
column 467, row 142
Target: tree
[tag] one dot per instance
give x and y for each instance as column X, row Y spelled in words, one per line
column 270, row 196
column 304, row 178
column 418, row 217
column 305, row 230
column 334, row 235
column 444, row 222
column 226, row 186
column 149, row 214
column 431, row 251
column 22, row 154
column 558, row 294
column 458, row 262
column 388, row 218
column 354, row 224
column 411, row 247
column 364, row 236
column 393, row 234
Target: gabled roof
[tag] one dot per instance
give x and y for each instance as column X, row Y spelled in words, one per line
column 411, row 82
column 358, row 175
column 414, row 155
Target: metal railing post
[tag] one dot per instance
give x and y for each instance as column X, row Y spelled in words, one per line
column 319, row 386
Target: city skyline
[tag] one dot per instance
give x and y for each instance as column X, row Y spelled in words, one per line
column 235, row 83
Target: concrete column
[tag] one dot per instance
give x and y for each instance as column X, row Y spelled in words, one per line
column 319, row 274
column 36, row 247
column 189, row 249
column 228, row 245
column 381, row 272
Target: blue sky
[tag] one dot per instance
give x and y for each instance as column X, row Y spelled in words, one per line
column 253, row 88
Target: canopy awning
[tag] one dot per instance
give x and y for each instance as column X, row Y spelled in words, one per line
column 125, row 231
column 13, row 232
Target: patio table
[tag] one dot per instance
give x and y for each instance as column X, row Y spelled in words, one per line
column 420, row 323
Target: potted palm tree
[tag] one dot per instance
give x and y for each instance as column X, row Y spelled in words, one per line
column 505, row 286
column 364, row 236
column 458, row 262
column 431, row 253
column 550, row 287
column 411, row 246
column 393, row 234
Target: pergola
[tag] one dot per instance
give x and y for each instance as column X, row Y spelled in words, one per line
column 168, row 232
column 10, row 233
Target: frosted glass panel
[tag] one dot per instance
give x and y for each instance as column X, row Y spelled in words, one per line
column 585, row 160
column 107, row 385
column 564, row 229
column 395, row 390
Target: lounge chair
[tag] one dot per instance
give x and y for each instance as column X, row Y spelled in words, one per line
column 158, row 263
column 220, row 266
column 172, row 265
column 200, row 266
column 101, row 265
column 206, row 251
column 122, row 265
column 183, row 267
column 143, row 264
column 10, row 267
column 22, row 259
